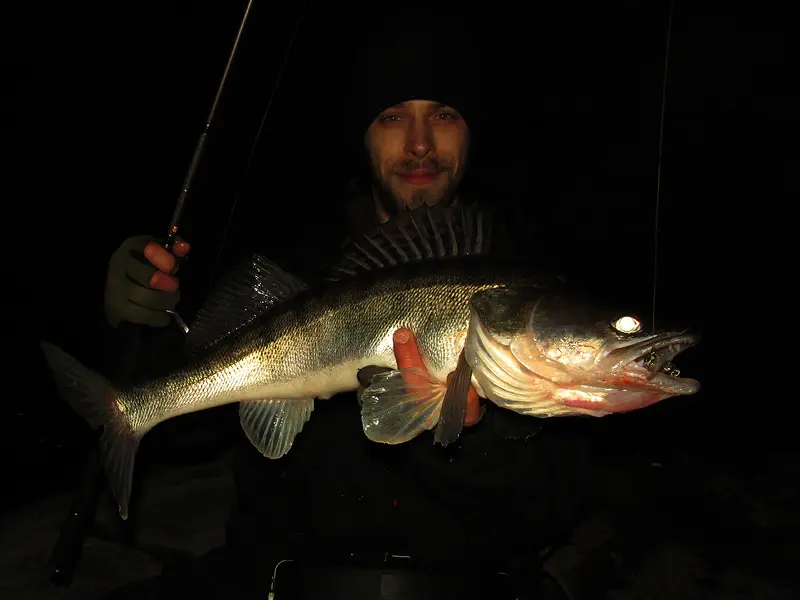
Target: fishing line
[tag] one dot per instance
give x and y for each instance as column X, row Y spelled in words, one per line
column 255, row 142
column 660, row 154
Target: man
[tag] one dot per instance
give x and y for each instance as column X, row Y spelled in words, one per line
column 493, row 500
column 417, row 151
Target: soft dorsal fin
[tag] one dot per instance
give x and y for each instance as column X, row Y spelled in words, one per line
column 247, row 291
column 426, row 233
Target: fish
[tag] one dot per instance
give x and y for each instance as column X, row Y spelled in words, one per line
column 264, row 339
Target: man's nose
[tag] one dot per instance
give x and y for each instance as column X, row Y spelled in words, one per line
column 419, row 142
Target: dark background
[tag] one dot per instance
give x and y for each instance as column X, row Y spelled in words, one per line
column 106, row 106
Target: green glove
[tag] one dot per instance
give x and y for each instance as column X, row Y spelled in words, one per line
column 128, row 295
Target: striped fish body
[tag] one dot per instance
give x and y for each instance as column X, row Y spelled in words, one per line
column 313, row 345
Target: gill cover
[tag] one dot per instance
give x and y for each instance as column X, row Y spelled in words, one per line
column 504, row 362
column 506, row 318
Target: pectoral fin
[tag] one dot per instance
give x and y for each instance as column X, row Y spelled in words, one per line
column 454, row 405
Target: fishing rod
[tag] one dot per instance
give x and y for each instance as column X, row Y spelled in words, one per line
column 67, row 549
column 172, row 231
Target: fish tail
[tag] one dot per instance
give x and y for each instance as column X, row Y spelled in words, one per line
column 98, row 403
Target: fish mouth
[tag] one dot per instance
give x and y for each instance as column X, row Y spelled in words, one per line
column 648, row 363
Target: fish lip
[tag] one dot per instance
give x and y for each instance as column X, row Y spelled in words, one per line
column 623, row 361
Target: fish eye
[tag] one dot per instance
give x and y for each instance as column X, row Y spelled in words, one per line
column 627, row 325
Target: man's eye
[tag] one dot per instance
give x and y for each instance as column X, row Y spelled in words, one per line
column 446, row 116
column 388, row 118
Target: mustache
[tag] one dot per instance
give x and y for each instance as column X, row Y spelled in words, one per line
column 405, row 166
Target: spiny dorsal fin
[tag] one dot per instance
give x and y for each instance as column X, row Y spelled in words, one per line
column 249, row 290
column 426, row 233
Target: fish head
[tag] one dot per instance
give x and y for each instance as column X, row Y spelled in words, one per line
column 554, row 353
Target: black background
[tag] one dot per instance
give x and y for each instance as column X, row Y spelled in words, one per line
column 106, row 106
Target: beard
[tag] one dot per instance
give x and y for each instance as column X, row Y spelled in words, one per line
column 392, row 200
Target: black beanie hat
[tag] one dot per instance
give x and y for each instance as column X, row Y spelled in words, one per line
column 395, row 65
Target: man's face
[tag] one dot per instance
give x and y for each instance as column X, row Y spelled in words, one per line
column 418, row 151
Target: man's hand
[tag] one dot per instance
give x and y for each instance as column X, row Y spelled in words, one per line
column 164, row 278
column 141, row 282
column 407, row 355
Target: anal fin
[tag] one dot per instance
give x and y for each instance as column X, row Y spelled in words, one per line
column 271, row 425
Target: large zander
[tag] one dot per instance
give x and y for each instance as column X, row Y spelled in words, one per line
column 266, row 341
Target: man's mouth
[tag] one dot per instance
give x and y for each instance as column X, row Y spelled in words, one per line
column 419, row 177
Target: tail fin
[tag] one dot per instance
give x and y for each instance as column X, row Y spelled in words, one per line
column 93, row 398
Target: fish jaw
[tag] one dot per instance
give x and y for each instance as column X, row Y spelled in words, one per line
column 639, row 364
